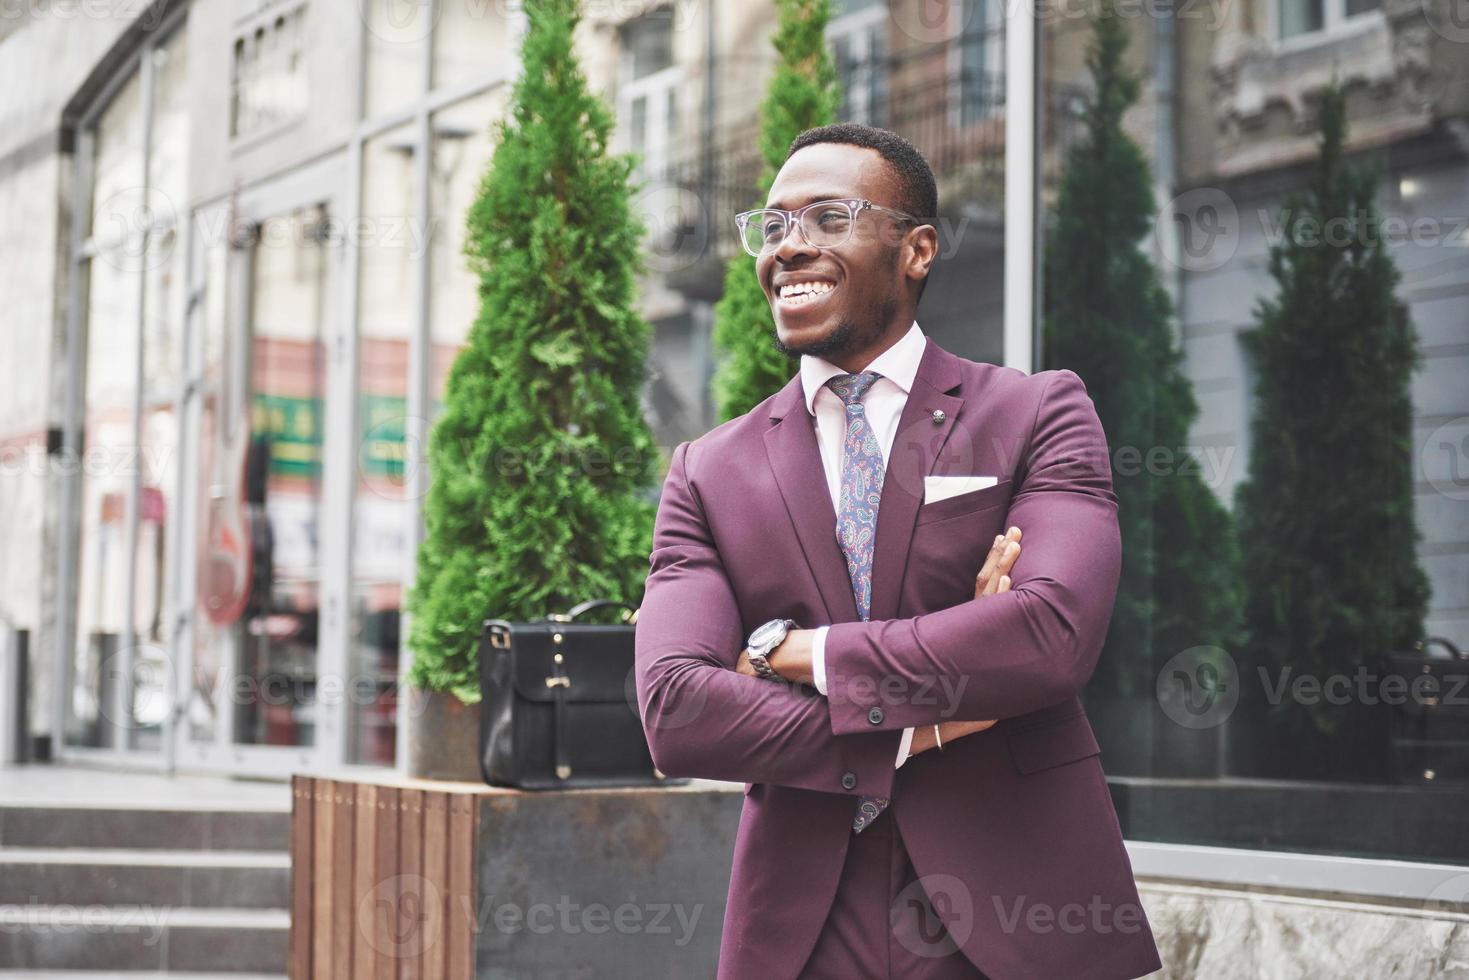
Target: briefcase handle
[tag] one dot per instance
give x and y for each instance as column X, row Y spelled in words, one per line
column 629, row 611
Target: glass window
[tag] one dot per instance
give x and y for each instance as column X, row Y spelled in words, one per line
column 647, row 42
column 463, row 146
column 269, row 78
column 1301, row 16
column 266, row 495
column 1242, row 342
column 392, row 252
column 472, row 41
column 859, row 49
column 100, row 706
column 396, row 33
column 980, row 64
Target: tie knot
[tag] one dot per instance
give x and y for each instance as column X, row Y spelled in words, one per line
column 851, row 388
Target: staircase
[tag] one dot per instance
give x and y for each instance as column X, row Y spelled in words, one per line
column 140, row 889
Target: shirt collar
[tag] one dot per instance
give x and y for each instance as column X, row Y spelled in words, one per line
column 899, row 364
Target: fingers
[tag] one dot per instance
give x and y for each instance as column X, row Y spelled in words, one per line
column 988, row 568
column 998, row 563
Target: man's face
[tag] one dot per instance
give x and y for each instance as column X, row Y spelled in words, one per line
column 856, row 288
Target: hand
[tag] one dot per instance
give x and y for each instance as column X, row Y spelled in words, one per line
column 743, row 665
column 951, row 731
column 994, row 577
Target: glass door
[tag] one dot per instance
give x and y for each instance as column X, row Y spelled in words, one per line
column 255, row 698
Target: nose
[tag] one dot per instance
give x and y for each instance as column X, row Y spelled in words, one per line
column 795, row 243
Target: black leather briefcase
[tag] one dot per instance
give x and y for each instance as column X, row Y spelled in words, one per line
column 559, row 704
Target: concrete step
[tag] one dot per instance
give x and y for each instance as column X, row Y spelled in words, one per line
column 80, row 876
column 160, row 828
column 118, row 939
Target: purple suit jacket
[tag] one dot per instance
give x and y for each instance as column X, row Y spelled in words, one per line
column 1015, row 824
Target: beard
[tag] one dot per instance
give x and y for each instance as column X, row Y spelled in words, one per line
column 849, row 335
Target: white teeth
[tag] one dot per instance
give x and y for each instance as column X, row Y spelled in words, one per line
column 803, row 292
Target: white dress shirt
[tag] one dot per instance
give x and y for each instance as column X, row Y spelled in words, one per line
column 883, row 404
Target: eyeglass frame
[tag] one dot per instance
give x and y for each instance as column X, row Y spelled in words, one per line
column 793, row 219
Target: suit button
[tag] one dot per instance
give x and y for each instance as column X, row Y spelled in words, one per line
column 849, row 780
column 875, row 716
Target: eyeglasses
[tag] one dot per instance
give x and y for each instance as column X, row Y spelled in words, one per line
column 825, row 224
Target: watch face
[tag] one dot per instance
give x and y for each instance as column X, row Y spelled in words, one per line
column 766, row 632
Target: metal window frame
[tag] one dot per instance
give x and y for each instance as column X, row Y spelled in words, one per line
column 1022, row 256
column 1335, row 25
column 80, row 253
column 1324, row 874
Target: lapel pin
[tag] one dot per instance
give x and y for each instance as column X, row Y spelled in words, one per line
column 938, row 416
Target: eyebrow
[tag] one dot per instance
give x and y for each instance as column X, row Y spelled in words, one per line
column 811, row 199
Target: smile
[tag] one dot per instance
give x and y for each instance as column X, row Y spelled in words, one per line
column 803, row 293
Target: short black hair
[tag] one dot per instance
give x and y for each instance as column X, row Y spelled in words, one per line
column 917, row 192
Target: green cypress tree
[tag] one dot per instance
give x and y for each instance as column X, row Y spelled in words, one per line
column 1109, row 319
column 802, row 95
column 541, row 459
column 1326, row 514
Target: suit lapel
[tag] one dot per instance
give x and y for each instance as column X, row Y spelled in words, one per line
column 795, row 458
column 917, row 444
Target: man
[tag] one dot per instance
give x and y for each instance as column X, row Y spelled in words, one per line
column 835, row 617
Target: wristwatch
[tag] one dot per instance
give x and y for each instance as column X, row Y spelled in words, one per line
column 763, row 641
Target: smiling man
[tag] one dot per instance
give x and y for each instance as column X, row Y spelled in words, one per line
column 839, row 616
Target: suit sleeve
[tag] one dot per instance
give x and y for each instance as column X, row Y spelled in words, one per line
column 1007, row 654
column 701, row 717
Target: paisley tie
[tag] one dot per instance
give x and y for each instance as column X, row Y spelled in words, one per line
column 862, row 473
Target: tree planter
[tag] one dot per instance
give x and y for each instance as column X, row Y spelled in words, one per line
column 443, row 737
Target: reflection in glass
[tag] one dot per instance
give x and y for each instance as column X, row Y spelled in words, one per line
column 260, row 561
column 1237, row 736
column 463, row 146
column 1301, row 17
column 392, row 253
column 396, row 33
column 472, row 41
column 98, row 705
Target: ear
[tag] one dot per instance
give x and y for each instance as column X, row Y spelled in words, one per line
column 920, row 248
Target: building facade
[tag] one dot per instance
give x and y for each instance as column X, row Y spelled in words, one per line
column 233, row 287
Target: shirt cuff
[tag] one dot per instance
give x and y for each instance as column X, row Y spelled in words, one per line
column 818, row 659
column 903, row 747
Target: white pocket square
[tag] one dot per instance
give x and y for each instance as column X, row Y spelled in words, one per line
column 936, row 488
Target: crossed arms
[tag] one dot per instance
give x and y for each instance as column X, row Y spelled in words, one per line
column 999, row 656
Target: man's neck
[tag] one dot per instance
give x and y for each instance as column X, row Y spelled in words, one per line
column 854, row 361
